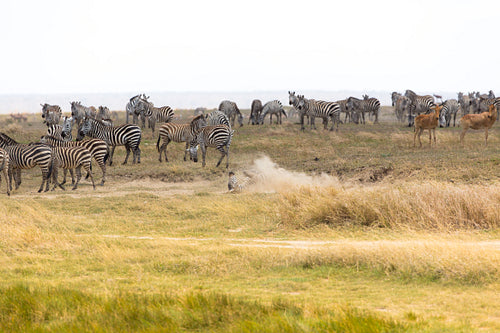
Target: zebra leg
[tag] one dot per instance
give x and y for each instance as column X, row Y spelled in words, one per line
column 72, row 176
column 64, row 177
column 163, row 149
column 88, row 168
column 203, row 154
column 102, row 165
column 223, row 153
column 78, row 176
column 186, row 150
column 6, row 176
column 136, row 154
column 127, row 147
column 111, row 155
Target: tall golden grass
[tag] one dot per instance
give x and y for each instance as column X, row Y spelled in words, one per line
column 435, row 206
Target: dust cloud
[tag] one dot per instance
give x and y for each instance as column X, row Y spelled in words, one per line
column 266, row 176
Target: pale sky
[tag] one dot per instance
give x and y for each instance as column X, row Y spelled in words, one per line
column 101, row 46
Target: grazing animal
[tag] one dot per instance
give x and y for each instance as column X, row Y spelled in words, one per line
column 97, row 148
column 51, row 114
column 70, row 158
column 427, row 122
column 255, row 112
column 79, row 112
column 62, row 132
column 218, row 137
column 479, row 121
column 321, row 109
column 179, row 133
column 130, row 108
column 127, row 135
column 232, row 112
column 24, row 156
column 217, row 118
column 162, row 114
column 4, row 167
column 418, row 104
column 365, row 105
column 272, row 108
column 450, row 109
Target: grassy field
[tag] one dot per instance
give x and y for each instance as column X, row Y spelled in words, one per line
column 349, row 231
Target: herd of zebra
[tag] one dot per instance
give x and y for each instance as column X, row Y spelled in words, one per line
column 97, row 136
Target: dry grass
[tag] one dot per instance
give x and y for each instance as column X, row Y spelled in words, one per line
column 356, row 220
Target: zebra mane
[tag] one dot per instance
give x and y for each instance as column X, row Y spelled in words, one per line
column 7, row 139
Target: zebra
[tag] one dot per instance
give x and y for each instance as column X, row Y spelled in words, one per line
column 343, row 109
column 218, row 137
column 255, row 112
column 162, row 114
column 127, row 135
column 79, row 112
column 97, row 148
column 179, row 133
column 419, row 104
column 22, row 156
column 70, row 158
column 272, row 108
column 465, row 103
column 217, row 118
column 450, row 109
column 131, row 107
column 402, row 107
column 104, row 115
column 294, row 101
column 232, row 112
column 362, row 106
column 62, row 132
column 4, row 167
column 321, row 109
column 51, row 113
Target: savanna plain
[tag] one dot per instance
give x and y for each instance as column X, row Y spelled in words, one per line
column 348, row 231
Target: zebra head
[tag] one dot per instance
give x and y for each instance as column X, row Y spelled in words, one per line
column 193, row 150
column 301, row 104
column 84, row 128
column 292, row 99
column 67, row 127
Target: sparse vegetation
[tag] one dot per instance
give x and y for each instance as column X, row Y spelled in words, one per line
column 358, row 232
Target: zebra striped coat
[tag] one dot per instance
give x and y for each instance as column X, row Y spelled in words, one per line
column 97, row 148
column 179, row 133
column 4, row 167
column 62, row 132
column 362, row 106
column 218, row 137
column 127, row 135
column 79, row 112
column 419, row 104
column 232, row 112
column 51, row 114
column 70, row 158
column 130, row 108
column 217, row 118
column 255, row 112
column 23, row 156
column 320, row 109
column 449, row 110
column 162, row 114
column 272, row 108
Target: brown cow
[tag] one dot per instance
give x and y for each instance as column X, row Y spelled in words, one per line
column 427, row 121
column 479, row 121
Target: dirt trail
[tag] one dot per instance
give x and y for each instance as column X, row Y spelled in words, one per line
column 316, row 244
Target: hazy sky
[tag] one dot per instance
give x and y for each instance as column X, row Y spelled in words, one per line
column 66, row 46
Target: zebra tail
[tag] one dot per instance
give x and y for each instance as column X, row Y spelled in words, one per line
column 106, row 157
column 3, row 164
column 158, row 143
